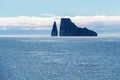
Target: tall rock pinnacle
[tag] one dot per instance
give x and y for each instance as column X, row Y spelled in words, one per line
column 54, row 31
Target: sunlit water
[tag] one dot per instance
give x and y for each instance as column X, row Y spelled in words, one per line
column 59, row 58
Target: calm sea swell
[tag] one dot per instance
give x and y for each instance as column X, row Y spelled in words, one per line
column 59, row 58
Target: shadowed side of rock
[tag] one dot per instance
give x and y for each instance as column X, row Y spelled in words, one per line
column 54, row 31
column 68, row 28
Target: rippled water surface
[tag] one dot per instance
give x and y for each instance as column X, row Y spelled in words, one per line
column 59, row 58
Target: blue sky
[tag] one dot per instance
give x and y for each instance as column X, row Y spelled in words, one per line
column 12, row 8
column 32, row 16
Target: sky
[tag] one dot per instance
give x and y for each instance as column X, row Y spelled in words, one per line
column 12, row 8
column 27, row 16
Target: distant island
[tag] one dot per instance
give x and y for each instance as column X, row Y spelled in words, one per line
column 68, row 28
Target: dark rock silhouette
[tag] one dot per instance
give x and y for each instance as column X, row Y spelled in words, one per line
column 54, row 31
column 68, row 28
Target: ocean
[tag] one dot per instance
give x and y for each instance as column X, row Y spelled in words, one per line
column 51, row 58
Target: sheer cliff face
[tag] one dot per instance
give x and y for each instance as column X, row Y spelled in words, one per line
column 54, row 31
column 68, row 28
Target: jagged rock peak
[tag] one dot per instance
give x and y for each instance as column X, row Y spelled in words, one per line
column 54, row 31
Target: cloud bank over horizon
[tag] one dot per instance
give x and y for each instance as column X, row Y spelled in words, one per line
column 104, row 25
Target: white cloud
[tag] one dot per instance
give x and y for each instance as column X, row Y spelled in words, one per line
column 83, row 20
column 47, row 21
column 98, row 23
column 26, row 22
column 48, row 15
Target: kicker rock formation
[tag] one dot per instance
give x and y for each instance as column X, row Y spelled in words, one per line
column 68, row 28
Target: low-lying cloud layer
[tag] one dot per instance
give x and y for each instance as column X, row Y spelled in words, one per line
column 101, row 24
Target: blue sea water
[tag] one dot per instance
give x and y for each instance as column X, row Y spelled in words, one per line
column 59, row 58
